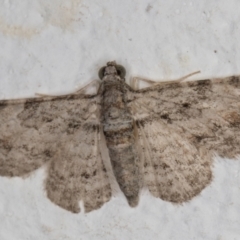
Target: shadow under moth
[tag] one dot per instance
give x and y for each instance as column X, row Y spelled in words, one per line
column 162, row 137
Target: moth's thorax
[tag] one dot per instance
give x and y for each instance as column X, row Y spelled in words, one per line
column 113, row 79
column 115, row 114
column 114, row 108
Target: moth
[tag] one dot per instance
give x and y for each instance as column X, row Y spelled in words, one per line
column 162, row 137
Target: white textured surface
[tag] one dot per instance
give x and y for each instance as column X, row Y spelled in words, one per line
column 55, row 46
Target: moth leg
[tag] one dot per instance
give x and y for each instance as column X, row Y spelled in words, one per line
column 83, row 88
column 45, row 95
column 186, row 76
column 134, row 82
column 77, row 91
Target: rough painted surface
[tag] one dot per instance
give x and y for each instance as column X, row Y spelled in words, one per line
column 158, row 40
column 162, row 137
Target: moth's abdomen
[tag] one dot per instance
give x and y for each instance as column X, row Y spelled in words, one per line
column 118, row 127
column 125, row 166
column 124, row 160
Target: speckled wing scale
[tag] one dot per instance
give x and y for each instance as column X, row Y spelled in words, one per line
column 180, row 127
column 78, row 172
column 63, row 132
column 174, row 169
column 162, row 137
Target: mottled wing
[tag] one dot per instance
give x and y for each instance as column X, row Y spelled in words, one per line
column 42, row 130
column 78, row 172
column 189, row 122
column 207, row 112
column 173, row 168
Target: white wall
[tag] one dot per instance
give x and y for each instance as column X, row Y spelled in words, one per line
column 55, row 46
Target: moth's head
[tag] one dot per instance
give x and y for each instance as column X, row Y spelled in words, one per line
column 112, row 69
